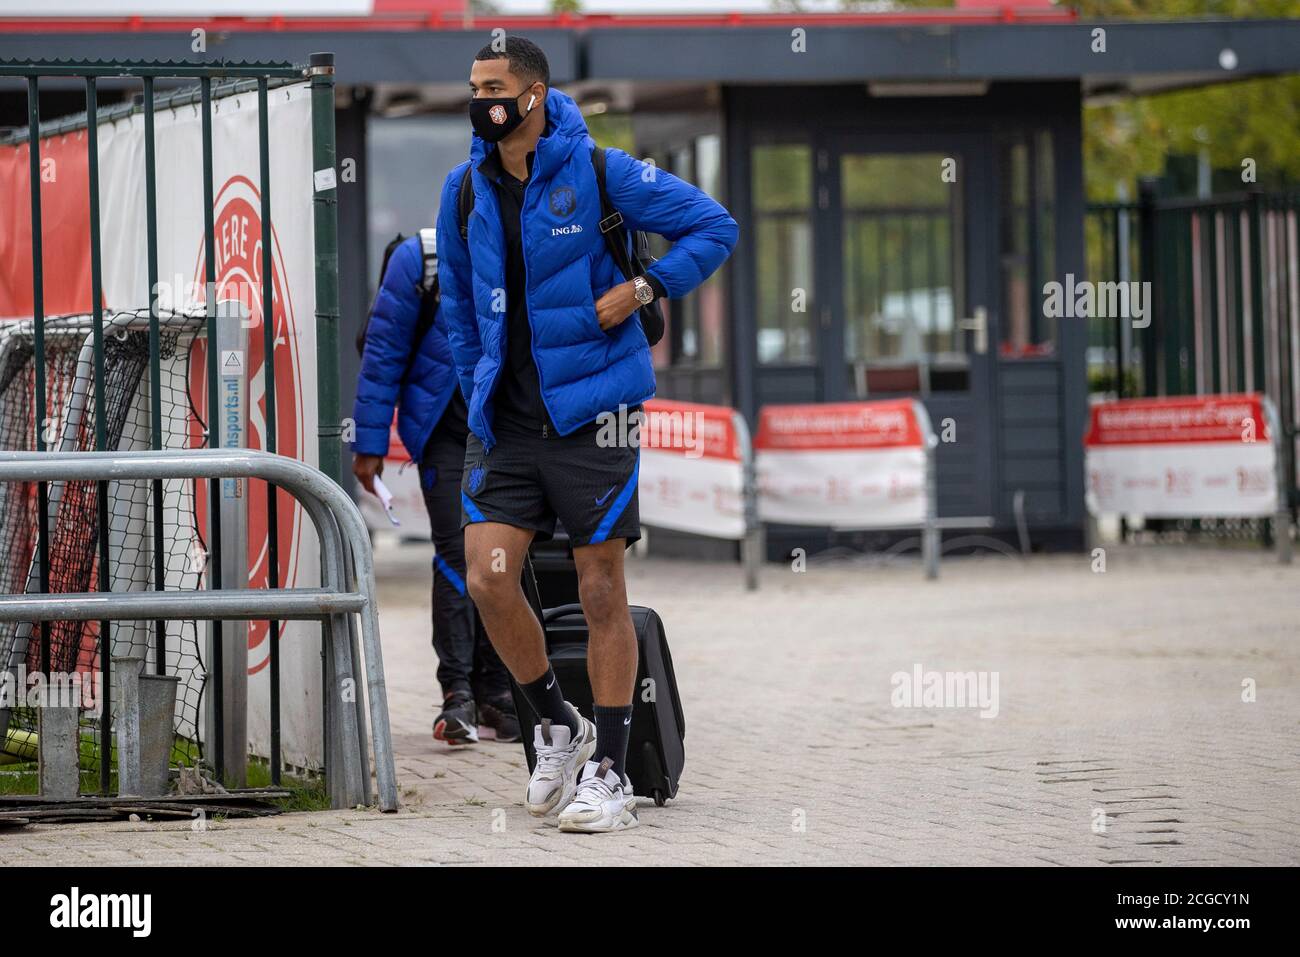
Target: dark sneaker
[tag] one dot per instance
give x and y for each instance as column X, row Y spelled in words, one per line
column 498, row 720
column 458, row 723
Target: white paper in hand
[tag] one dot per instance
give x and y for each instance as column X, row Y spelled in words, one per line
column 386, row 499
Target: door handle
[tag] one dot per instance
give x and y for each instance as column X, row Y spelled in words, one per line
column 978, row 324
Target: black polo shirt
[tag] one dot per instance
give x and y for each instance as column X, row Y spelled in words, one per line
column 518, row 398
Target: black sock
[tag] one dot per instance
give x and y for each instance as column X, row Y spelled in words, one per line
column 548, row 701
column 612, row 728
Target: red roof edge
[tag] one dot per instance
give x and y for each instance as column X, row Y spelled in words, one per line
column 436, row 21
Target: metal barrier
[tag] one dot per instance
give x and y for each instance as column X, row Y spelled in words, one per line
column 347, row 571
column 815, row 510
column 931, row 525
column 697, row 476
column 1189, row 458
column 754, row 543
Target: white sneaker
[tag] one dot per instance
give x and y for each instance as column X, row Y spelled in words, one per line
column 559, row 757
column 603, row 802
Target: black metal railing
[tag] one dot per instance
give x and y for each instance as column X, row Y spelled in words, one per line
column 1224, row 276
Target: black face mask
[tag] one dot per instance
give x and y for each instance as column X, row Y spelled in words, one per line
column 496, row 117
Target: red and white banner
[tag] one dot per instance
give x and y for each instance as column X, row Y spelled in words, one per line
column 844, row 465
column 1191, row 456
column 181, row 269
column 692, row 469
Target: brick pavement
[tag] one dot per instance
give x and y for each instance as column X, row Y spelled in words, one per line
column 1120, row 694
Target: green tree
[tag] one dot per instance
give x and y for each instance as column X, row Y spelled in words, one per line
column 1247, row 119
column 1255, row 120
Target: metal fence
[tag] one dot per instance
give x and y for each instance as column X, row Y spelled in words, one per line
column 203, row 83
column 347, row 573
column 1225, row 299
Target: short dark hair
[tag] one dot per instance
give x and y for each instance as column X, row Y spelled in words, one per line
column 527, row 60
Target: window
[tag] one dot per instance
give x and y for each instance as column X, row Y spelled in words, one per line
column 403, row 195
column 696, row 322
column 782, row 203
column 1027, row 243
column 902, row 262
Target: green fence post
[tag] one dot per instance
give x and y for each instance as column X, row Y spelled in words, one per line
column 1150, row 272
column 320, row 70
column 101, row 434
column 38, row 329
column 325, row 215
column 1258, row 305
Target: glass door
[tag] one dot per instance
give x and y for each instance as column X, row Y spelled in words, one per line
column 912, row 227
column 903, row 274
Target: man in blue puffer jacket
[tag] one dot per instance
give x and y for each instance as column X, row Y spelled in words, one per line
column 548, row 347
column 420, row 379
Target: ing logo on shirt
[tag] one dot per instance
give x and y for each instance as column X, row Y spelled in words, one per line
column 563, row 201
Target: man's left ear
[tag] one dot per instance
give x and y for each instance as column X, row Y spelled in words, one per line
column 536, row 99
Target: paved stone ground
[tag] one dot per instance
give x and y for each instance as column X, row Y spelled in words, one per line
column 1120, row 694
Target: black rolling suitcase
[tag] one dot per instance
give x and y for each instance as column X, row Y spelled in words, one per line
column 655, row 751
column 553, row 565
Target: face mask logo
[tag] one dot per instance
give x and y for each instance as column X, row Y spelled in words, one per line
column 497, row 114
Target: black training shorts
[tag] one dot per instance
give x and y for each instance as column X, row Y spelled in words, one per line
column 528, row 481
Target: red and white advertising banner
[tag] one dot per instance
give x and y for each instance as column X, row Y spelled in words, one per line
column 201, row 9
column 1190, row 456
column 843, row 465
column 181, row 269
column 402, row 479
column 692, row 469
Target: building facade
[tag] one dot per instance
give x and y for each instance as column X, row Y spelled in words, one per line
column 906, row 185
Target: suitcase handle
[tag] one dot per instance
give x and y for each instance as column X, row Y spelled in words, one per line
column 559, row 611
column 528, row 579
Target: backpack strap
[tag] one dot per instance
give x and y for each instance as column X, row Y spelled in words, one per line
column 465, row 202
column 630, row 261
column 430, row 296
column 610, row 218
column 383, row 268
column 429, row 249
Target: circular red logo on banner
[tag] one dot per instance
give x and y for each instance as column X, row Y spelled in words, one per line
column 238, row 247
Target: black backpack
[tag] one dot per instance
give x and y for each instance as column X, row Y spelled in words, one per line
column 630, row 263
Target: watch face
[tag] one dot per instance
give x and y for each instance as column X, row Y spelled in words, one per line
column 644, row 293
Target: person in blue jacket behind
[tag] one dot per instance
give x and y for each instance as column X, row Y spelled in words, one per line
column 419, row 378
column 552, row 355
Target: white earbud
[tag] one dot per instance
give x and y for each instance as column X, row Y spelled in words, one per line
column 531, row 100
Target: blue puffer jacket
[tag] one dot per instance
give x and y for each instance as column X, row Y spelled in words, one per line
column 422, row 396
column 583, row 369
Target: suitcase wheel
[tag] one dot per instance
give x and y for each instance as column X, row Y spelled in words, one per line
column 660, row 799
